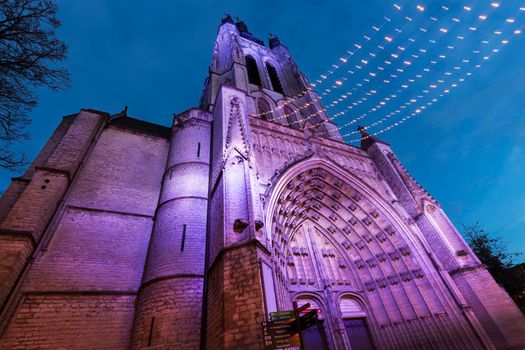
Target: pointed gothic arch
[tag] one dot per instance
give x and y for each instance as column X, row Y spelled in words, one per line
column 355, row 321
column 353, row 240
column 274, row 78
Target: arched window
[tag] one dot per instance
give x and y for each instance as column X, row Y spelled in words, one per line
column 253, row 71
column 264, row 109
column 291, row 117
column 274, row 78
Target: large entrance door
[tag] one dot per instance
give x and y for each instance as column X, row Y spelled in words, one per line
column 314, row 338
column 358, row 334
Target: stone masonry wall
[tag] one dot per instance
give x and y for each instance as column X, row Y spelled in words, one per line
column 169, row 312
column 501, row 318
column 14, row 252
column 235, row 299
column 70, row 322
column 80, row 290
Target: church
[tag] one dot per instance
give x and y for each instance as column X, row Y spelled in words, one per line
column 124, row 234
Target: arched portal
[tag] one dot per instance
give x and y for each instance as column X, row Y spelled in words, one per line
column 331, row 235
column 315, row 337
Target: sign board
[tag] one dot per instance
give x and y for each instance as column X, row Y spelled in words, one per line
column 282, row 314
column 288, row 313
column 279, row 334
column 284, row 329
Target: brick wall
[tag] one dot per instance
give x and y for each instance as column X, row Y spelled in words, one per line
column 50, row 146
column 71, row 322
column 68, row 153
column 93, row 250
column 169, row 314
column 235, row 299
column 168, row 254
column 38, row 202
column 48, row 182
column 101, row 239
column 90, row 267
column 14, row 252
column 169, row 304
column 123, row 173
column 215, row 314
column 11, row 196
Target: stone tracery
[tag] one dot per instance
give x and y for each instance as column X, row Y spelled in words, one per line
column 332, row 233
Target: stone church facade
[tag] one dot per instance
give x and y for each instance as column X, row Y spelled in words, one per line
column 126, row 234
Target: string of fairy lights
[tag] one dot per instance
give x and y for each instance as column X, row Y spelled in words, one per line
column 392, row 77
column 439, row 86
column 357, row 46
column 396, row 57
column 442, row 29
column 414, row 100
column 344, row 60
column 406, row 85
column 425, row 105
column 389, row 39
column 339, row 83
column 416, row 112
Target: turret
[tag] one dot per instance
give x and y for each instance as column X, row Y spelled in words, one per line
column 169, row 303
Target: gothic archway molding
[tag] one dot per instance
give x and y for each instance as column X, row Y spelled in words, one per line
column 357, row 242
column 311, row 161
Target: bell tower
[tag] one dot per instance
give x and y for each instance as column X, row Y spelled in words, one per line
column 275, row 88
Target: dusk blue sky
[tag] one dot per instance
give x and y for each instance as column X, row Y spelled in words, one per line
column 467, row 149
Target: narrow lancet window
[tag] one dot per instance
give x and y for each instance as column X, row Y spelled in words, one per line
column 183, row 238
column 274, row 78
column 253, row 71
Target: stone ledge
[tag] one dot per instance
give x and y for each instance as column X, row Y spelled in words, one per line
column 169, row 277
column 465, row 269
column 79, row 292
column 254, row 242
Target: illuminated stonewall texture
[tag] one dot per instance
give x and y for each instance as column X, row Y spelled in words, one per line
column 125, row 234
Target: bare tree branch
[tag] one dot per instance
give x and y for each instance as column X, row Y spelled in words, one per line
column 30, row 57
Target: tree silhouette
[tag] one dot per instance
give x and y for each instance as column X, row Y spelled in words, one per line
column 29, row 58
